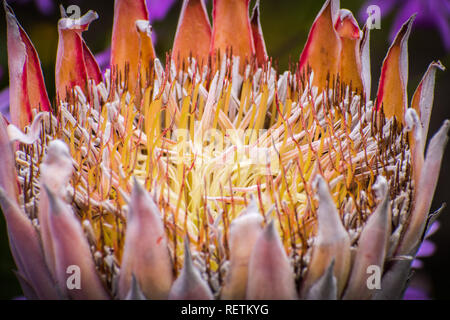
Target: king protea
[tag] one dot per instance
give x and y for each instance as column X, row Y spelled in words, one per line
column 214, row 176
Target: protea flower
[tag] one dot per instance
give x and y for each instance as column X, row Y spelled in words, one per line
column 215, row 176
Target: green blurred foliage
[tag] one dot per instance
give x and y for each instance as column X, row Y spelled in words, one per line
column 285, row 24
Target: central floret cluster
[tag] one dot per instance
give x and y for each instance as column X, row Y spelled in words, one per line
column 215, row 176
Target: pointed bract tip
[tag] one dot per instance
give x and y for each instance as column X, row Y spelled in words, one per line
column 7, row 8
column 326, row 287
column 405, row 30
column 317, row 181
column 392, row 87
column 138, row 190
column 255, row 13
column 321, row 186
column 347, row 26
column 252, row 207
column 440, row 137
column 243, row 234
column 447, row 124
column 270, row 231
column 136, row 183
column 135, row 292
column 334, row 7
column 270, row 274
column 145, row 250
column 443, row 132
column 193, row 27
column 438, row 64
column 190, row 285
column 139, row 197
column 427, row 183
column 332, row 241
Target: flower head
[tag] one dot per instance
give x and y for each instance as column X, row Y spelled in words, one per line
column 215, row 176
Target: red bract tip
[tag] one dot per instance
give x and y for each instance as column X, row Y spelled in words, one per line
column 193, row 27
column 231, row 28
column 75, row 63
column 27, row 88
column 392, row 93
column 125, row 38
column 258, row 38
column 323, row 48
column 350, row 65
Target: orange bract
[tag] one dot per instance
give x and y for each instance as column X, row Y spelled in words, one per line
column 193, row 28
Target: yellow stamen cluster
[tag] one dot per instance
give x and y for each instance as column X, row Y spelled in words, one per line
column 207, row 145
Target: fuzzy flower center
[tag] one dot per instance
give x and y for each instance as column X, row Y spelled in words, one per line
column 208, row 146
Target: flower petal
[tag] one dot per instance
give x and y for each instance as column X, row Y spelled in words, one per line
column 323, row 47
column 424, row 192
column 366, row 71
column 66, row 231
column 27, row 250
column 145, row 251
column 244, row 231
column 189, row 284
column 74, row 62
column 394, row 281
column 417, row 143
column 56, row 171
column 258, row 38
column 193, row 27
column 125, row 38
column 350, row 71
column 231, row 29
column 332, row 242
column 135, row 292
column 392, row 94
column 92, row 68
column 270, row 275
column 423, row 98
column 8, row 174
column 325, row 288
column 27, row 88
column 372, row 245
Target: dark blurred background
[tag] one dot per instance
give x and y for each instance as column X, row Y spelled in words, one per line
column 285, row 26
